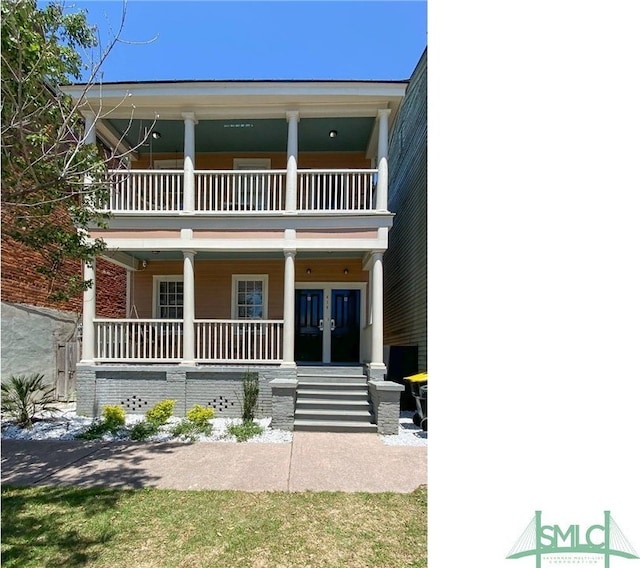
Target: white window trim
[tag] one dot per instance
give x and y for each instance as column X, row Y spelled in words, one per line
column 252, row 163
column 157, row 278
column 177, row 164
column 235, row 278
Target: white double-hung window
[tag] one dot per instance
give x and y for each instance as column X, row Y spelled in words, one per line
column 249, row 293
column 169, row 297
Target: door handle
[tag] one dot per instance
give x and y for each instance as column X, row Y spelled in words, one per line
column 333, row 324
column 321, row 325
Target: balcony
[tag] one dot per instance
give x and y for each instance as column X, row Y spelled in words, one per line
column 241, row 191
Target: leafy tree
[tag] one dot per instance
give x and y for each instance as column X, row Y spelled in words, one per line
column 52, row 180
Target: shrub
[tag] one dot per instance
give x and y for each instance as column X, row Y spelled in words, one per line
column 95, row 431
column 244, row 431
column 114, row 416
column 24, row 396
column 250, row 389
column 196, row 423
column 191, row 430
column 161, row 412
column 200, row 415
column 143, row 430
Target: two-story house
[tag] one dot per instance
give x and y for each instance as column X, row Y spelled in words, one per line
column 252, row 223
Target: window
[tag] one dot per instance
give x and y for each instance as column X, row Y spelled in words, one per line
column 168, row 164
column 250, row 296
column 252, row 163
column 169, row 294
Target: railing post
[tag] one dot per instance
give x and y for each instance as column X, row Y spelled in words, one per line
column 89, row 314
column 188, row 311
column 383, row 166
column 189, row 161
column 292, row 161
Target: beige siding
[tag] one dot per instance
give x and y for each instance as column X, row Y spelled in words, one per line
column 405, row 262
column 336, row 234
column 213, row 281
column 223, row 161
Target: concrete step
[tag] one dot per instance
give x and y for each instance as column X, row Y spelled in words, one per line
column 343, row 370
column 338, row 379
column 333, row 404
column 326, row 415
column 332, row 385
column 324, row 394
column 302, row 425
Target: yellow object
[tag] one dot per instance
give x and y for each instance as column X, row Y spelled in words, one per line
column 420, row 377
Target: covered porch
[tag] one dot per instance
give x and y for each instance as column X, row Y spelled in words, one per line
column 274, row 308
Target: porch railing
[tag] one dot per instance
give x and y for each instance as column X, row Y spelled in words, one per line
column 138, row 340
column 161, row 340
column 239, row 340
column 240, row 191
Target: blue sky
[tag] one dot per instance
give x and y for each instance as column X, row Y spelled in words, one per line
column 371, row 40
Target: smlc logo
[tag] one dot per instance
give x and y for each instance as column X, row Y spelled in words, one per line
column 575, row 544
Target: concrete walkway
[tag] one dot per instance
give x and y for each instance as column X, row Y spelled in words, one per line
column 312, row 462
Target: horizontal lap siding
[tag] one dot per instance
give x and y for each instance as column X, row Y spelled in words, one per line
column 213, row 282
column 306, row 160
column 405, row 262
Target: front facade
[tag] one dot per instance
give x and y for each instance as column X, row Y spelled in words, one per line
column 251, row 218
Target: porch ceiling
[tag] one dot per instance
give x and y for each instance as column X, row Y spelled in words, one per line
column 248, row 135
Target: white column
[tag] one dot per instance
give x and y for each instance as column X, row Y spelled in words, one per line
column 89, row 127
column 189, row 310
column 289, row 308
column 89, row 268
column 89, row 314
column 89, row 138
column 383, row 166
column 189, row 161
column 377, row 359
column 292, row 161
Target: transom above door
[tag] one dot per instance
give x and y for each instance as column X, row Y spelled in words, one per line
column 328, row 325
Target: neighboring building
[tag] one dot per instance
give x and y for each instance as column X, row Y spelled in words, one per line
column 252, row 222
column 405, row 275
column 39, row 335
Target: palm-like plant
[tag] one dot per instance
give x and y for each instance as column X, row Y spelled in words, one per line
column 24, row 396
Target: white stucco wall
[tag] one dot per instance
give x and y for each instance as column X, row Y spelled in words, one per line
column 30, row 336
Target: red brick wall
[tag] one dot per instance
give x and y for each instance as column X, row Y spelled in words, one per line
column 21, row 284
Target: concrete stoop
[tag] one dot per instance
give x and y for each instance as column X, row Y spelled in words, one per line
column 333, row 400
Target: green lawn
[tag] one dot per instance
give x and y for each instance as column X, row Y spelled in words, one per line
column 48, row 527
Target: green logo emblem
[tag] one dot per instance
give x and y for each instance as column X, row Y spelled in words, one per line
column 583, row 545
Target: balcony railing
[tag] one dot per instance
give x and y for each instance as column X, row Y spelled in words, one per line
column 161, row 340
column 237, row 190
column 145, row 190
column 240, row 191
column 336, row 190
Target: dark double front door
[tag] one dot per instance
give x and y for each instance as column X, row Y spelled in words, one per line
column 327, row 326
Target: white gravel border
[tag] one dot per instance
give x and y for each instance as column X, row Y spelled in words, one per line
column 66, row 425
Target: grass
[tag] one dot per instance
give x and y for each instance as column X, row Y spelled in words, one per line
column 154, row 528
